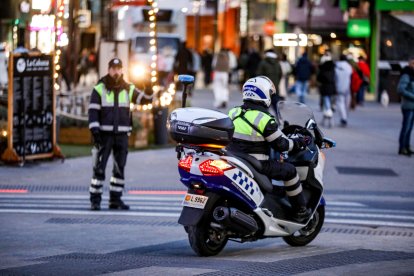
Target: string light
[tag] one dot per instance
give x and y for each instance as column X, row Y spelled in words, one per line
column 58, row 33
column 153, row 45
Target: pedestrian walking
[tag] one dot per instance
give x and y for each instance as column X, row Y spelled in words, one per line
column 286, row 70
column 327, row 89
column 343, row 73
column 83, row 67
column 406, row 91
column 252, row 63
column 270, row 67
column 356, row 81
column 110, row 123
column 206, row 63
column 183, row 62
column 303, row 72
column 221, row 65
column 366, row 74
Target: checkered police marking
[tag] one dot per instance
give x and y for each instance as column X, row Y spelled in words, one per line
column 245, row 183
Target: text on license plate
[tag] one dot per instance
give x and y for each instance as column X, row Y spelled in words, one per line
column 195, row 201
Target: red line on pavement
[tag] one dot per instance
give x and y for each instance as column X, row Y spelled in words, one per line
column 14, row 191
column 144, row 192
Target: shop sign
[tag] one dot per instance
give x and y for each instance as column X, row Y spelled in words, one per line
column 290, row 39
column 395, row 5
column 271, row 27
column 358, row 28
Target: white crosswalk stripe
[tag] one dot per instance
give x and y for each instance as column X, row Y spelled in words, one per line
column 338, row 212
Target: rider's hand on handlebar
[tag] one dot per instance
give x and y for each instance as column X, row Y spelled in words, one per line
column 299, row 143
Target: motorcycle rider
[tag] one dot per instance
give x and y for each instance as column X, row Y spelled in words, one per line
column 110, row 123
column 256, row 132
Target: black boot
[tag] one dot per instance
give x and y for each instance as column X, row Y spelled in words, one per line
column 115, row 201
column 302, row 213
column 95, row 202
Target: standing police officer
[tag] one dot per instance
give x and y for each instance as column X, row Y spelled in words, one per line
column 110, row 123
column 256, row 132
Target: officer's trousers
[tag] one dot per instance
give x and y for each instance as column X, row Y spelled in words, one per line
column 118, row 145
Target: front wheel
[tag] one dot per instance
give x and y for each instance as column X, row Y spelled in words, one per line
column 308, row 233
column 204, row 240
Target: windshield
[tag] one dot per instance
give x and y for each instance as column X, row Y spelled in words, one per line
column 293, row 113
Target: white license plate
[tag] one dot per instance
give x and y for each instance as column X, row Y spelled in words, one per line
column 195, row 201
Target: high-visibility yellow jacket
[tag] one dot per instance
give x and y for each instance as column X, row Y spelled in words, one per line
column 256, row 131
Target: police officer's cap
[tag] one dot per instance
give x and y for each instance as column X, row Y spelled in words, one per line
column 115, row 62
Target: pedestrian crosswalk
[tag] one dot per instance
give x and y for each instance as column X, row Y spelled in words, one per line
column 338, row 212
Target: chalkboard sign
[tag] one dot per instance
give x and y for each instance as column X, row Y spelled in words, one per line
column 31, row 108
column 33, row 104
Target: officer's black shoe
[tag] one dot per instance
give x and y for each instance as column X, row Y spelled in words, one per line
column 302, row 214
column 118, row 205
column 95, row 206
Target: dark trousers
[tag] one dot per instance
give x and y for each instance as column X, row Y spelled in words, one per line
column 118, row 145
column 287, row 173
column 406, row 128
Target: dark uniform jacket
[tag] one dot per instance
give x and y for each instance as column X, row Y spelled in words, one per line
column 109, row 107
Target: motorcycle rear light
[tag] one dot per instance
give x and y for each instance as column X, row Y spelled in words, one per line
column 198, row 188
column 185, row 163
column 214, row 167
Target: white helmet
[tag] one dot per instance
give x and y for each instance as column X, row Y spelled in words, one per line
column 259, row 89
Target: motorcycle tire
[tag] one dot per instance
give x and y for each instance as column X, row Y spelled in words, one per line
column 310, row 231
column 204, row 240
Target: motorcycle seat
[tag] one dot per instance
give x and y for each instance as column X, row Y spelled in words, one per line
column 255, row 166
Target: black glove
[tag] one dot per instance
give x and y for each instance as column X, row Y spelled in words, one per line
column 97, row 140
column 299, row 143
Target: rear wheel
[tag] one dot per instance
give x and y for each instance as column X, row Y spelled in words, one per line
column 308, row 233
column 205, row 240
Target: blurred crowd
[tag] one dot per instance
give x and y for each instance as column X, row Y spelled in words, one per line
column 341, row 83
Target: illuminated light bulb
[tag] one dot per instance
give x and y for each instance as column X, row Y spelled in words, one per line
column 144, row 107
column 152, row 33
column 156, row 10
column 152, row 18
column 4, row 133
column 153, row 79
column 154, row 57
column 56, row 75
column 58, row 67
column 152, row 25
column 153, row 73
column 57, row 86
column 151, row 12
column 153, row 65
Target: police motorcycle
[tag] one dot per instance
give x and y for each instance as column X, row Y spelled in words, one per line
column 228, row 198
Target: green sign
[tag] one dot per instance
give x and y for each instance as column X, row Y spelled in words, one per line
column 395, row 5
column 358, row 28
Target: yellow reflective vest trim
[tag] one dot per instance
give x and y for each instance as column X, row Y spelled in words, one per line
column 124, row 97
column 242, row 130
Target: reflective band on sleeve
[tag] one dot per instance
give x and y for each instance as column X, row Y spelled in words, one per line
column 120, row 128
column 115, row 188
column 94, row 124
column 290, row 144
column 256, row 123
column 274, row 136
column 117, row 180
column 94, row 106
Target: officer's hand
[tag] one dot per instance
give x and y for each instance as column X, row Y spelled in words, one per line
column 299, row 143
column 97, row 140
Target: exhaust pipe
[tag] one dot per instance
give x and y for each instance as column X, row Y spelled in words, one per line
column 235, row 220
